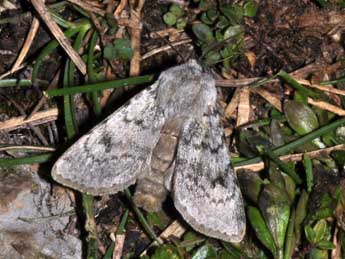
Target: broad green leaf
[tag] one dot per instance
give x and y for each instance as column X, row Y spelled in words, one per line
column 212, row 14
column 300, row 117
column 109, row 52
column 309, row 233
column 301, row 212
column 223, row 22
column 166, row 251
column 169, row 18
column 181, row 23
column 123, row 49
column 262, row 232
column 203, row 32
column 250, row 8
column 233, row 31
column 308, row 165
column 233, row 12
column 251, row 184
column 205, row 251
column 274, row 205
column 320, row 231
column 176, row 10
column 324, row 244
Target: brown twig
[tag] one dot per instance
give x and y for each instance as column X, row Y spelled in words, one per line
column 11, row 72
column 27, row 44
column 35, row 148
column 58, row 34
column 269, row 97
column 21, row 110
column 230, row 109
column 136, row 36
column 294, row 157
column 243, row 112
column 120, row 8
column 164, row 48
column 88, row 7
column 119, row 242
column 43, row 99
column 37, row 119
column 175, row 229
column 327, row 107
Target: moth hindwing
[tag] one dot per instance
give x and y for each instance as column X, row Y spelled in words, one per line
column 168, row 137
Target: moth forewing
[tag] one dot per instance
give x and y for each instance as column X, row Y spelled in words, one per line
column 116, row 152
column 205, row 188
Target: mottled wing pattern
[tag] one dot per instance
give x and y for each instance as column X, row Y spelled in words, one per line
column 204, row 187
column 114, row 153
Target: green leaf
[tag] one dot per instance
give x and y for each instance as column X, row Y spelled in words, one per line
column 301, row 90
column 176, row 10
column 166, row 251
column 233, row 12
column 233, row 31
column 191, row 239
column 219, row 36
column 205, row 251
column 290, row 241
column 320, row 231
column 123, row 49
column 206, row 4
column 318, row 254
column 204, row 19
column 169, row 18
column 300, row 117
column 274, row 205
column 308, row 165
column 212, row 57
column 250, row 8
column 223, row 22
column 261, row 229
column 181, row 23
column 203, row 32
column 109, row 52
column 157, row 219
column 301, row 212
column 324, row 244
column 309, row 233
column 290, row 186
column 234, row 252
column 251, row 184
column 212, row 14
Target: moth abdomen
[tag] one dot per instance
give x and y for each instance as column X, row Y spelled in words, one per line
column 150, row 191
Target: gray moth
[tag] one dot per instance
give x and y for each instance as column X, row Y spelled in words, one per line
column 167, row 138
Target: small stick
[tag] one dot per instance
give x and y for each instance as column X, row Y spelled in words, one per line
column 243, row 110
column 36, row 119
column 327, row 106
column 174, row 229
column 294, row 157
column 118, row 248
column 58, row 34
column 44, row 98
column 164, row 48
column 88, row 7
column 27, row 44
column 34, row 148
column 136, row 37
